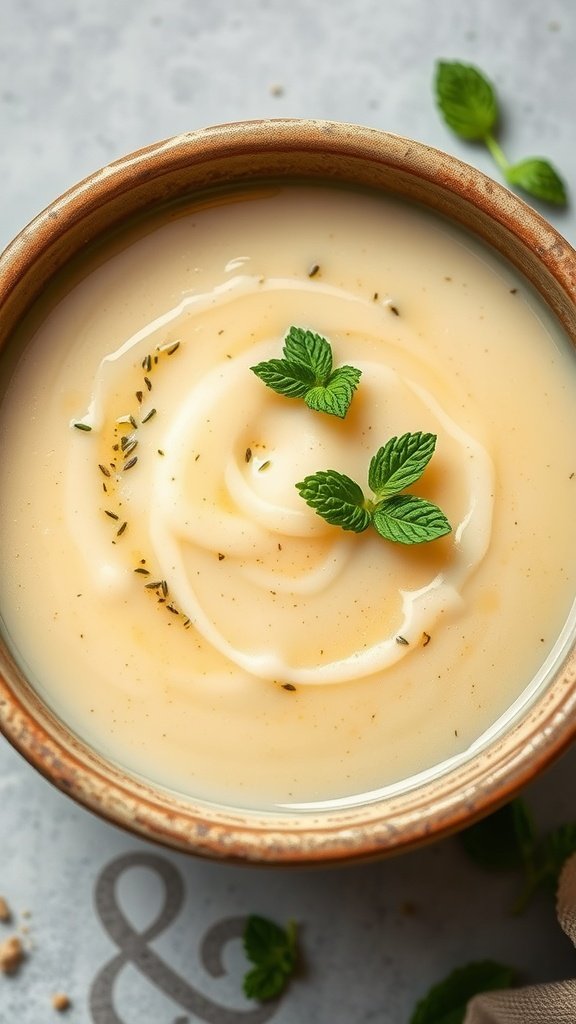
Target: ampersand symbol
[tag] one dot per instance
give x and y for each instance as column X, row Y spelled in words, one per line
column 134, row 949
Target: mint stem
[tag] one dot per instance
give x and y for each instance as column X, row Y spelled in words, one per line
column 496, row 152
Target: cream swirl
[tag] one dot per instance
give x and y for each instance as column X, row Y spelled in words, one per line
column 266, row 582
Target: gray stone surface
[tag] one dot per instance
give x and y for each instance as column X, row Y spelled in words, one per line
column 82, row 82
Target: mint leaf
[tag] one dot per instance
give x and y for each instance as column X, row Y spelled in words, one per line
column 285, row 378
column 264, row 983
column 407, row 519
column 261, row 937
column 309, row 350
column 446, row 1002
column 335, row 396
column 306, row 372
column 400, row 463
column 538, row 178
column 504, row 840
column 507, row 840
column 466, row 99
column 468, row 104
column 337, row 498
column 403, row 518
column 274, row 952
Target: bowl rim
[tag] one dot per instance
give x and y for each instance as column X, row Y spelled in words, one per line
column 367, row 830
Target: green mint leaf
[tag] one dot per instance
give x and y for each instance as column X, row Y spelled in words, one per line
column 538, row 178
column 274, row 952
column 288, row 379
column 507, row 840
column 336, row 498
column 446, row 1002
column 400, row 463
column 466, row 99
column 468, row 104
column 407, row 519
column 306, row 372
column 261, row 936
column 335, row 396
column 504, row 840
column 402, row 518
column 310, row 350
column 264, row 983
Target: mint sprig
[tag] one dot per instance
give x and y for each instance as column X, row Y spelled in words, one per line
column 274, row 952
column 306, row 371
column 402, row 518
column 446, row 1002
column 508, row 840
column 469, row 106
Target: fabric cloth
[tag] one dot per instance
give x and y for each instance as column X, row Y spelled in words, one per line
column 553, row 1003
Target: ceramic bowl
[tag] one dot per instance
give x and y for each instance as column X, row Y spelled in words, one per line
column 239, row 155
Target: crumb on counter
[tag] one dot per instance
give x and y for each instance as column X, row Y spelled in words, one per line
column 5, row 912
column 61, row 1002
column 11, row 955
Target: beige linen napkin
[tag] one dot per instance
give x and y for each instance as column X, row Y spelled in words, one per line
column 554, row 1003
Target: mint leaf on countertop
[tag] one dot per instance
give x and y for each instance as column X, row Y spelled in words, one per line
column 508, row 840
column 468, row 103
column 537, row 177
column 274, row 952
column 446, row 1002
column 466, row 99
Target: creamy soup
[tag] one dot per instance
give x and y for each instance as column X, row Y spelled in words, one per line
column 170, row 594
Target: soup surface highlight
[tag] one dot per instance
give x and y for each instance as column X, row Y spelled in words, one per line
column 164, row 585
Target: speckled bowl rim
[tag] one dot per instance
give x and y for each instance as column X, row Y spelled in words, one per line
column 237, row 155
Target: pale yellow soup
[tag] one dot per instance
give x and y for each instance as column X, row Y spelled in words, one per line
column 187, row 614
